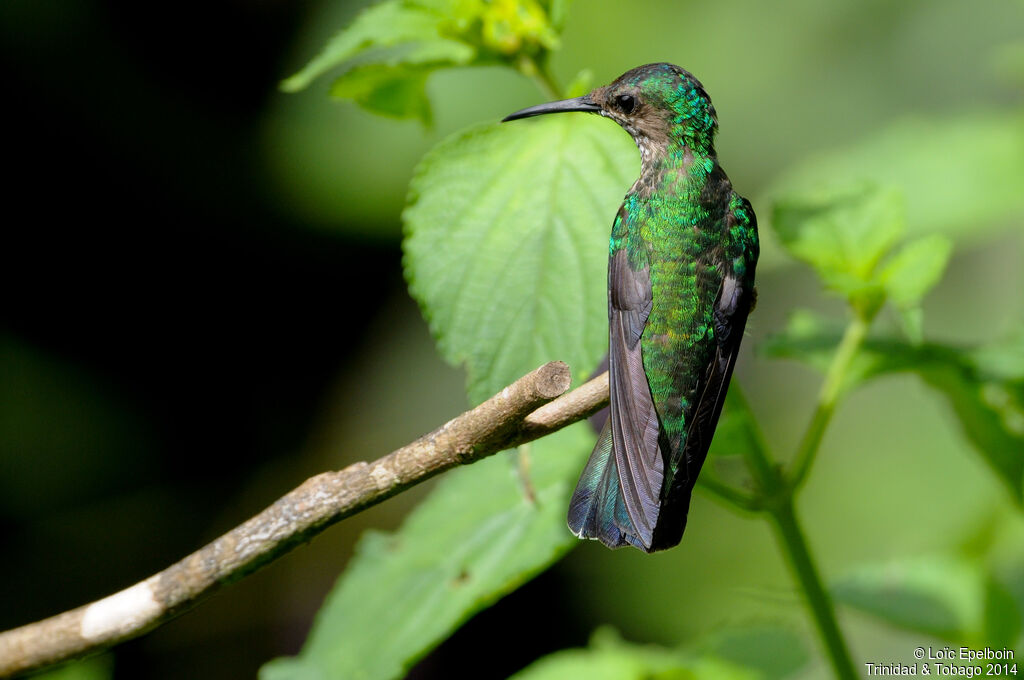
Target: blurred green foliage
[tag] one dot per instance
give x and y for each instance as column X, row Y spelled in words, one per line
column 738, row 654
column 503, row 233
column 985, row 385
column 391, row 47
column 953, row 599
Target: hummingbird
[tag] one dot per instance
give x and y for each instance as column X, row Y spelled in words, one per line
column 682, row 255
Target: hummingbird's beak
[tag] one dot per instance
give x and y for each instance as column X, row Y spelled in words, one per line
column 584, row 103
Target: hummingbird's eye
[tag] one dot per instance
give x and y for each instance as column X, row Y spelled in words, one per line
column 625, row 102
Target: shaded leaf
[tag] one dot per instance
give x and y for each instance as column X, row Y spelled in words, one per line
column 506, row 245
column 390, row 91
column 984, row 386
column 734, row 654
column 773, row 652
column 95, row 668
column 737, row 429
column 477, row 537
column 953, row 599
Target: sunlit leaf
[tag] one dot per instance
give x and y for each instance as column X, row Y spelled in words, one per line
column 911, row 273
column 506, row 245
column 954, row 599
column 479, row 535
column 960, row 176
column 513, row 26
column 390, row 49
column 984, row 386
column 842, row 232
column 385, row 25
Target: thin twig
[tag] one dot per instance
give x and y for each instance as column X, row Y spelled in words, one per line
column 509, row 418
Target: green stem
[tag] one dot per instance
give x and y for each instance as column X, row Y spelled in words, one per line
column 852, row 340
column 795, row 546
column 775, row 495
column 728, row 494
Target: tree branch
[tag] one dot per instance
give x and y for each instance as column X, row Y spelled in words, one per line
column 509, row 418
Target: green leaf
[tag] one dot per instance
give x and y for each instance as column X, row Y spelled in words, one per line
column 842, row 232
column 511, row 27
column 478, row 536
column 984, row 386
column 975, row 192
column 760, row 652
column 506, row 245
column 911, row 273
column 398, row 92
column 774, row 652
column 737, row 430
column 391, row 48
column 95, row 668
column 954, row 599
column 385, row 25
column 915, row 269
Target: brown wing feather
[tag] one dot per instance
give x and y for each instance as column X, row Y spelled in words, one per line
column 633, row 417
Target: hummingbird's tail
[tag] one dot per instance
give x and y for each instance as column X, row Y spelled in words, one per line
column 597, row 509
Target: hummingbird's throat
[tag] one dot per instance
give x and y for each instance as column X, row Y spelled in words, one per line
column 662, row 168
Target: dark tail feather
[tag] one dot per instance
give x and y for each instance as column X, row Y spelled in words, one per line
column 597, row 510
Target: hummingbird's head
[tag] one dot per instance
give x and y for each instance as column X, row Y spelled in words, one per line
column 658, row 104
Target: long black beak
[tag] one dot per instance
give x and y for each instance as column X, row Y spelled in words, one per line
column 584, row 103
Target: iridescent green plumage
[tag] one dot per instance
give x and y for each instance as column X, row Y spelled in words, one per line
column 682, row 256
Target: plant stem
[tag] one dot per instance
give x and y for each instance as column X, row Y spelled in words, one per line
column 794, row 544
column 728, row 494
column 853, row 338
column 775, row 495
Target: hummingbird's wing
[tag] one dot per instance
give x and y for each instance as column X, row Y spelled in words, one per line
column 731, row 309
column 617, row 499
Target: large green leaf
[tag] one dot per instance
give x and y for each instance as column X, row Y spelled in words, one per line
column 954, row 599
column 985, row 386
column 507, row 244
column 477, row 537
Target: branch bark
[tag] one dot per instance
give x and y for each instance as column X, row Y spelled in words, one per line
column 525, row 410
